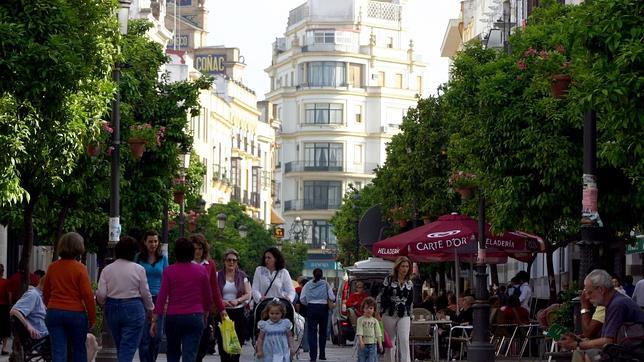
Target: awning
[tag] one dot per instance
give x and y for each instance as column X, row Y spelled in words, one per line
column 276, row 219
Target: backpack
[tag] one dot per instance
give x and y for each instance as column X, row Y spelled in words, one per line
column 516, row 291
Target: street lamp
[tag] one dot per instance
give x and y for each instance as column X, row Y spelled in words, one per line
column 243, row 231
column 221, row 221
column 108, row 352
column 184, row 158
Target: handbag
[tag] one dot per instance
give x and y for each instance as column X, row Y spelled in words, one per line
column 229, row 339
column 330, row 303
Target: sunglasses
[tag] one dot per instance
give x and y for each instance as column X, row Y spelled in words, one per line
column 232, row 260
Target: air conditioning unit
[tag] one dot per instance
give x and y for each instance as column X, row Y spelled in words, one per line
column 374, row 76
column 384, row 129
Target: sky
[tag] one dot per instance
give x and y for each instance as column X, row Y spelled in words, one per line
column 253, row 25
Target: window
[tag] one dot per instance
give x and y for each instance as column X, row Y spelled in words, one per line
column 390, row 42
column 355, row 75
column 323, row 113
column 326, row 74
column 399, row 81
column 322, row 195
column 322, row 232
column 358, row 113
column 381, row 79
column 323, row 156
column 357, row 154
column 235, row 170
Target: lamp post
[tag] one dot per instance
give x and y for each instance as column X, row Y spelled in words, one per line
column 221, row 224
column 184, row 159
column 108, row 350
column 480, row 348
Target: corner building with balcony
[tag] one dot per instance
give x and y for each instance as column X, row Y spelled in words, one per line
column 342, row 77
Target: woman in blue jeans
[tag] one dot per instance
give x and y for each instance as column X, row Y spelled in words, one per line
column 123, row 289
column 151, row 258
column 185, row 289
column 315, row 295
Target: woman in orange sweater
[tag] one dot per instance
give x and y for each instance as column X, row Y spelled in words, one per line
column 67, row 292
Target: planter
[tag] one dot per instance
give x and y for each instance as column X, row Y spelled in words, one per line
column 465, row 192
column 93, row 149
column 402, row 223
column 560, row 85
column 427, row 220
column 137, row 147
column 179, row 197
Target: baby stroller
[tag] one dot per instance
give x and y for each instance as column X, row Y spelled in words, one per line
column 295, row 318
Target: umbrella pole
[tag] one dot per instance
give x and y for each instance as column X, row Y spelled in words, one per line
column 457, row 279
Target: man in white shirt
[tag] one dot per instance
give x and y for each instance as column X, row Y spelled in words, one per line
column 526, row 292
column 638, row 293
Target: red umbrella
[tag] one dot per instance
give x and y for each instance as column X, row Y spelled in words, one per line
column 455, row 234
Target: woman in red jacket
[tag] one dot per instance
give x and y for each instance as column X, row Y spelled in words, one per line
column 201, row 257
column 67, row 292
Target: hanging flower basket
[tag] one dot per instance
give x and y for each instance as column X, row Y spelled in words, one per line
column 93, row 149
column 465, row 192
column 137, row 147
column 560, row 85
column 179, row 197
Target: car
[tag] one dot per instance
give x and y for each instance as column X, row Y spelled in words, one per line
column 371, row 273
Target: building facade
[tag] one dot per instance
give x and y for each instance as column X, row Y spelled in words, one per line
column 343, row 75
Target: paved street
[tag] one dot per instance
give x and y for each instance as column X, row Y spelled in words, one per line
column 333, row 353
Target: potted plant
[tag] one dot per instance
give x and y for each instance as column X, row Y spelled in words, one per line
column 553, row 64
column 144, row 135
column 399, row 214
column 101, row 134
column 179, row 192
column 463, row 183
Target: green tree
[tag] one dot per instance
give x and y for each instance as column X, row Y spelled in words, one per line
column 54, row 61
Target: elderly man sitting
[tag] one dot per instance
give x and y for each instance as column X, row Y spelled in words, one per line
column 30, row 310
column 619, row 310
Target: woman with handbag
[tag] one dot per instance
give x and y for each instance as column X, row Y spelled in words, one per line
column 271, row 279
column 235, row 291
column 395, row 300
column 318, row 297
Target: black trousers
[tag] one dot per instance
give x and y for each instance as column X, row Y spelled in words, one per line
column 237, row 316
column 206, row 344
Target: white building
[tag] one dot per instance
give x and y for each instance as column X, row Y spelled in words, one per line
column 343, row 75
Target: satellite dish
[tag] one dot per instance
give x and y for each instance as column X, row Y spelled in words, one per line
column 242, row 59
column 369, row 226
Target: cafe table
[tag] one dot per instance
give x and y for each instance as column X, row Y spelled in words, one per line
column 434, row 324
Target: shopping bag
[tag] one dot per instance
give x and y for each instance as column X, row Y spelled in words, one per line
column 229, row 336
column 386, row 339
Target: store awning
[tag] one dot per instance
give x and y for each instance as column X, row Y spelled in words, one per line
column 276, row 219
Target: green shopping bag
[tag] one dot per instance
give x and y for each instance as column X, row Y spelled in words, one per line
column 229, row 336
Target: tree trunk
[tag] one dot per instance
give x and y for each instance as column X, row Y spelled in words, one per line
column 28, row 241
column 60, row 225
column 494, row 272
column 552, row 285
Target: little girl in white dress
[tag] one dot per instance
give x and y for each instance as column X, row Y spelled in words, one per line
column 275, row 340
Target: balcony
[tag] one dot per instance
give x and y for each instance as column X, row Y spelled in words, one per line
column 308, row 204
column 236, row 194
column 307, row 166
column 254, row 199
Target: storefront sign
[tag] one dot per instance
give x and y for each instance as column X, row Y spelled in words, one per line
column 324, row 265
column 637, row 248
column 279, row 233
column 210, row 63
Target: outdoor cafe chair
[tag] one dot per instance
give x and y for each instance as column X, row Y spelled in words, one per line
column 418, row 312
column 464, row 339
column 502, row 336
column 420, row 334
column 531, row 332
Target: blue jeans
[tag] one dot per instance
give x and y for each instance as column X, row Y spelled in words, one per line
column 149, row 346
column 183, row 332
column 369, row 353
column 316, row 328
column 67, row 326
column 126, row 319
